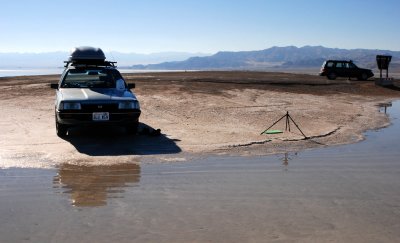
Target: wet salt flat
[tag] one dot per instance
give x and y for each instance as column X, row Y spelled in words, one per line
column 49, row 71
column 26, row 72
column 346, row 193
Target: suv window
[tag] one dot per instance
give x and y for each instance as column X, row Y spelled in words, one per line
column 339, row 65
column 349, row 65
column 329, row 64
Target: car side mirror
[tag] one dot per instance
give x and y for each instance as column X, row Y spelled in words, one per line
column 54, row 86
column 131, row 85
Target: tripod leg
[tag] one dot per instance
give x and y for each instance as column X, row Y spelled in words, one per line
column 286, row 122
column 273, row 124
column 298, row 127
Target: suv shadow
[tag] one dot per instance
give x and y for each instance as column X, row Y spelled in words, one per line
column 113, row 141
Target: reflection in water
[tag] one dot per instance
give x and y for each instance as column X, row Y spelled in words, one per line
column 91, row 186
column 287, row 157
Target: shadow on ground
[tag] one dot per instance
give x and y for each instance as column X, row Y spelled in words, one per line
column 393, row 87
column 114, row 141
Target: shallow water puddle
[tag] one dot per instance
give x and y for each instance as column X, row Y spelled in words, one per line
column 344, row 193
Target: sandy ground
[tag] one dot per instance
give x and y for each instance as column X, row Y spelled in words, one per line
column 198, row 113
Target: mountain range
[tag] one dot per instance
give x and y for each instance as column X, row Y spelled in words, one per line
column 56, row 59
column 274, row 58
column 289, row 57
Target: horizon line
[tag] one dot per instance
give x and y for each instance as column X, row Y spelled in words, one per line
column 199, row 52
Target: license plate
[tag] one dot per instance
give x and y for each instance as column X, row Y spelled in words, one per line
column 101, row 116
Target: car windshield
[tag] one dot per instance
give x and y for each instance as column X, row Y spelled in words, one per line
column 88, row 78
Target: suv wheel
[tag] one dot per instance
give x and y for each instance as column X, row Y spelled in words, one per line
column 61, row 129
column 332, row 76
column 363, row 76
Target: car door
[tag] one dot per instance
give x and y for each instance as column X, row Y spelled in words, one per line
column 353, row 70
column 340, row 69
column 346, row 69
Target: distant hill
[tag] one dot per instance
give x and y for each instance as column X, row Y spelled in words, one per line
column 275, row 57
column 56, row 59
column 289, row 58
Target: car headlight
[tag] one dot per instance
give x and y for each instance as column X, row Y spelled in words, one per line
column 126, row 105
column 70, row 106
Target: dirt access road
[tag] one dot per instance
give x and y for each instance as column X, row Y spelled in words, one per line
column 198, row 113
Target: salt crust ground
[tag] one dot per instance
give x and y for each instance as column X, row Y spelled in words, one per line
column 199, row 113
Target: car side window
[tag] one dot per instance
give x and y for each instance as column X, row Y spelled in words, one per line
column 329, row 64
column 339, row 65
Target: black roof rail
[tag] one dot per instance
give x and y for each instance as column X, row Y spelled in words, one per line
column 90, row 63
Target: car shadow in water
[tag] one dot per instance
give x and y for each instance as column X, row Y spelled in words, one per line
column 114, row 141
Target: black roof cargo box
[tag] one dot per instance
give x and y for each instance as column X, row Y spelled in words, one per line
column 86, row 54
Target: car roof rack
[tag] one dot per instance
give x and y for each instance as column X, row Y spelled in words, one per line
column 89, row 63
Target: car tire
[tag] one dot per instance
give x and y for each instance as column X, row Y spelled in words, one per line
column 363, row 76
column 132, row 129
column 61, row 129
column 331, row 76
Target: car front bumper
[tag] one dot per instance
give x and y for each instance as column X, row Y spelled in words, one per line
column 74, row 118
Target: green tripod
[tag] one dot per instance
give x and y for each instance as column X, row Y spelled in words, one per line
column 287, row 122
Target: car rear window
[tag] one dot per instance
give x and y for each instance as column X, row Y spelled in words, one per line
column 329, row 64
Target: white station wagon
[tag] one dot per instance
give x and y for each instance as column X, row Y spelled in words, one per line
column 92, row 92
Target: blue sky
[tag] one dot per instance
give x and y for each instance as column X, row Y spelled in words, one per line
column 149, row 26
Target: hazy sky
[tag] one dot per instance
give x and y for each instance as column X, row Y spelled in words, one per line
column 148, row 26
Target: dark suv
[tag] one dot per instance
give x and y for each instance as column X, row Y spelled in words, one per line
column 333, row 69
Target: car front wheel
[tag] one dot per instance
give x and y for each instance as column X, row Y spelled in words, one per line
column 363, row 76
column 61, row 130
column 332, row 76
